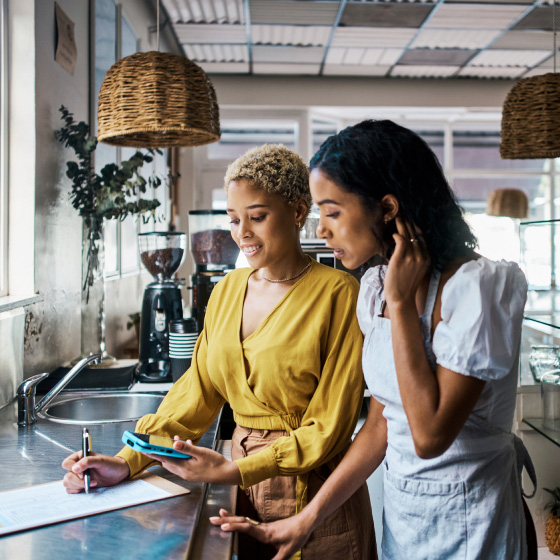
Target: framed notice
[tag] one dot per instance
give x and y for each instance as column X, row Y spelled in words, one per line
column 66, row 52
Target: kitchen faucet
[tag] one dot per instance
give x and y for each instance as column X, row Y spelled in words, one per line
column 27, row 409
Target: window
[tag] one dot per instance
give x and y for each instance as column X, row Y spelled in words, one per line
column 3, row 151
column 115, row 39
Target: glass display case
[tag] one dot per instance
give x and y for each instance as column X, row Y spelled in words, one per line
column 540, row 261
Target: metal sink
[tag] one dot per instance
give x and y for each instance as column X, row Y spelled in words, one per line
column 99, row 408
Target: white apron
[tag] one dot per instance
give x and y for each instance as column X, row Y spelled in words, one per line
column 465, row 504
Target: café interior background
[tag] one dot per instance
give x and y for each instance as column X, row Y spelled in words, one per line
column 289, row 72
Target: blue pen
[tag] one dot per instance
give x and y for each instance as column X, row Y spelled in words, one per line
column 86, row 448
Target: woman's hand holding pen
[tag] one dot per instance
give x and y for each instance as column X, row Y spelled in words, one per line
column 408, row 265
column 287, row 535
column 103, row 470
column 205, row 465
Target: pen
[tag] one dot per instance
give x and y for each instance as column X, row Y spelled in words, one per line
column 86, row 449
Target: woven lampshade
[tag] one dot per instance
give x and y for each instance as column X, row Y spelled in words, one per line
column 513, row 203
column 157, row 100
column 531, row 119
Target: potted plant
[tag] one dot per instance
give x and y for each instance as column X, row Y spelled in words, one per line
column 552, row 533
column 112, row 194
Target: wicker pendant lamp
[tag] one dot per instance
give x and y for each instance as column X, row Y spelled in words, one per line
column 157, row 100
column 512, row 203
column 531, row 115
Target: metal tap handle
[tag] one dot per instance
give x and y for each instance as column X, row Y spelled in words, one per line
column 66, row 379
column 26, row 398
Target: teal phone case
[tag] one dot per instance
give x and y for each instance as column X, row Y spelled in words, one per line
column 132, row 440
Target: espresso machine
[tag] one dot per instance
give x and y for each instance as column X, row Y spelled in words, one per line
column 162, row 254
column 214, row 253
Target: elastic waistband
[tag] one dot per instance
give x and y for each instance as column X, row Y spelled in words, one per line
column 286, row 422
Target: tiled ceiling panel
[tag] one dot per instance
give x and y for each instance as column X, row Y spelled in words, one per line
column 205, row 11
column 372, row 37
column 541, row 18
column 454, row 38
column 217, row 53
column 526, row 2
column 369, row 57
column 355, row 70
column 365, row 14
column 293, row 12
column 424, row 71
column 471, row 39
column 526, row 40
column 225, row 67
column 210, row 33
column 490, row 72
column 306, row 55
column 509, row 58
column 436, row 57
column 295, row 69
column 290, row 35
column 474, row 16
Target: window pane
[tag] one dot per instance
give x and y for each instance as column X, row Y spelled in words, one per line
column 473, row 192
column 129, row 42
column 105, row 43
column 320, row 131
column 129, row 245
column 111, row 252
column 105, row 56
column 481, row 150
column 3, row 162
column 162, row 192
column 536, row 240
column 240, row 136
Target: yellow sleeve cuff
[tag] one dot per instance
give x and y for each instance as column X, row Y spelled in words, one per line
column 153, row 424
column 137, row 462
column 258, row 467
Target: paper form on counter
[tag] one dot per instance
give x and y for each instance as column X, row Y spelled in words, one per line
column 45, row 504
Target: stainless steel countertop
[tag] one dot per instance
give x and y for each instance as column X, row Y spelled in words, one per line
column 163, row 529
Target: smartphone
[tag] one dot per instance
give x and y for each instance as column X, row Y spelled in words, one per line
column 146, row 443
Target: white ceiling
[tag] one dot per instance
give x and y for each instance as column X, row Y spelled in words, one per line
column 491, row 39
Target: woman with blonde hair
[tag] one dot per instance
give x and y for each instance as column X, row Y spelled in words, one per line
column 282, row 346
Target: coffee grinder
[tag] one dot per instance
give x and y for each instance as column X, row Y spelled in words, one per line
column 161, row 253
column 214, row 253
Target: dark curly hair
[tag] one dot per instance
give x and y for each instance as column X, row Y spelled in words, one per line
column 375, row 158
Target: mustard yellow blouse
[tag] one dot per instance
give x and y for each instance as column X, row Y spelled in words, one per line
column 300, row 371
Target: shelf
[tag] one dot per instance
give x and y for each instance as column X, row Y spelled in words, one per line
column 536, row 424
column 548, row 320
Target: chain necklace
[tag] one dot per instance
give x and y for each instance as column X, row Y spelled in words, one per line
column 288, row 279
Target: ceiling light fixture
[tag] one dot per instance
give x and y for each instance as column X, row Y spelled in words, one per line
column 531, row 115
column 157, row 100
column 512, row 203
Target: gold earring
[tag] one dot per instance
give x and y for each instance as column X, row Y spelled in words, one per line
column 387, row 219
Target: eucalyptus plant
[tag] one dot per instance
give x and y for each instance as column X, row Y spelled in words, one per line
column 110, row 194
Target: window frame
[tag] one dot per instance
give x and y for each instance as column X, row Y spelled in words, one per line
column 4, row 202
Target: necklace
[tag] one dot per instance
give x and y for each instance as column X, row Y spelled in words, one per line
column 288, row 279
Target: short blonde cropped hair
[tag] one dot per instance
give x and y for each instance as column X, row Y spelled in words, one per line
column 274, row 169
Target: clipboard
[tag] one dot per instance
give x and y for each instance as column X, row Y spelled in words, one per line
column 46, row 504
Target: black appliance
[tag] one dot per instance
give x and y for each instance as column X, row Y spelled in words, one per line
column 214, row 252
column 161, row 253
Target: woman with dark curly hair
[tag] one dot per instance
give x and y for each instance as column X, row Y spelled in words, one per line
column 281, row 344
column 442, row 328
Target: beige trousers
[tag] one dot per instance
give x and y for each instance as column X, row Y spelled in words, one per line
column 348, row 533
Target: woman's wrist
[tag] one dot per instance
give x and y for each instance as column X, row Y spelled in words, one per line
column 310, row 517
column 233, row 474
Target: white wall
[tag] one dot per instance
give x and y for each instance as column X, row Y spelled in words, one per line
column 45, row 231
column 281, row 91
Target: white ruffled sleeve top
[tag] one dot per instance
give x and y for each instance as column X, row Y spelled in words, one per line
column 479, row 335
